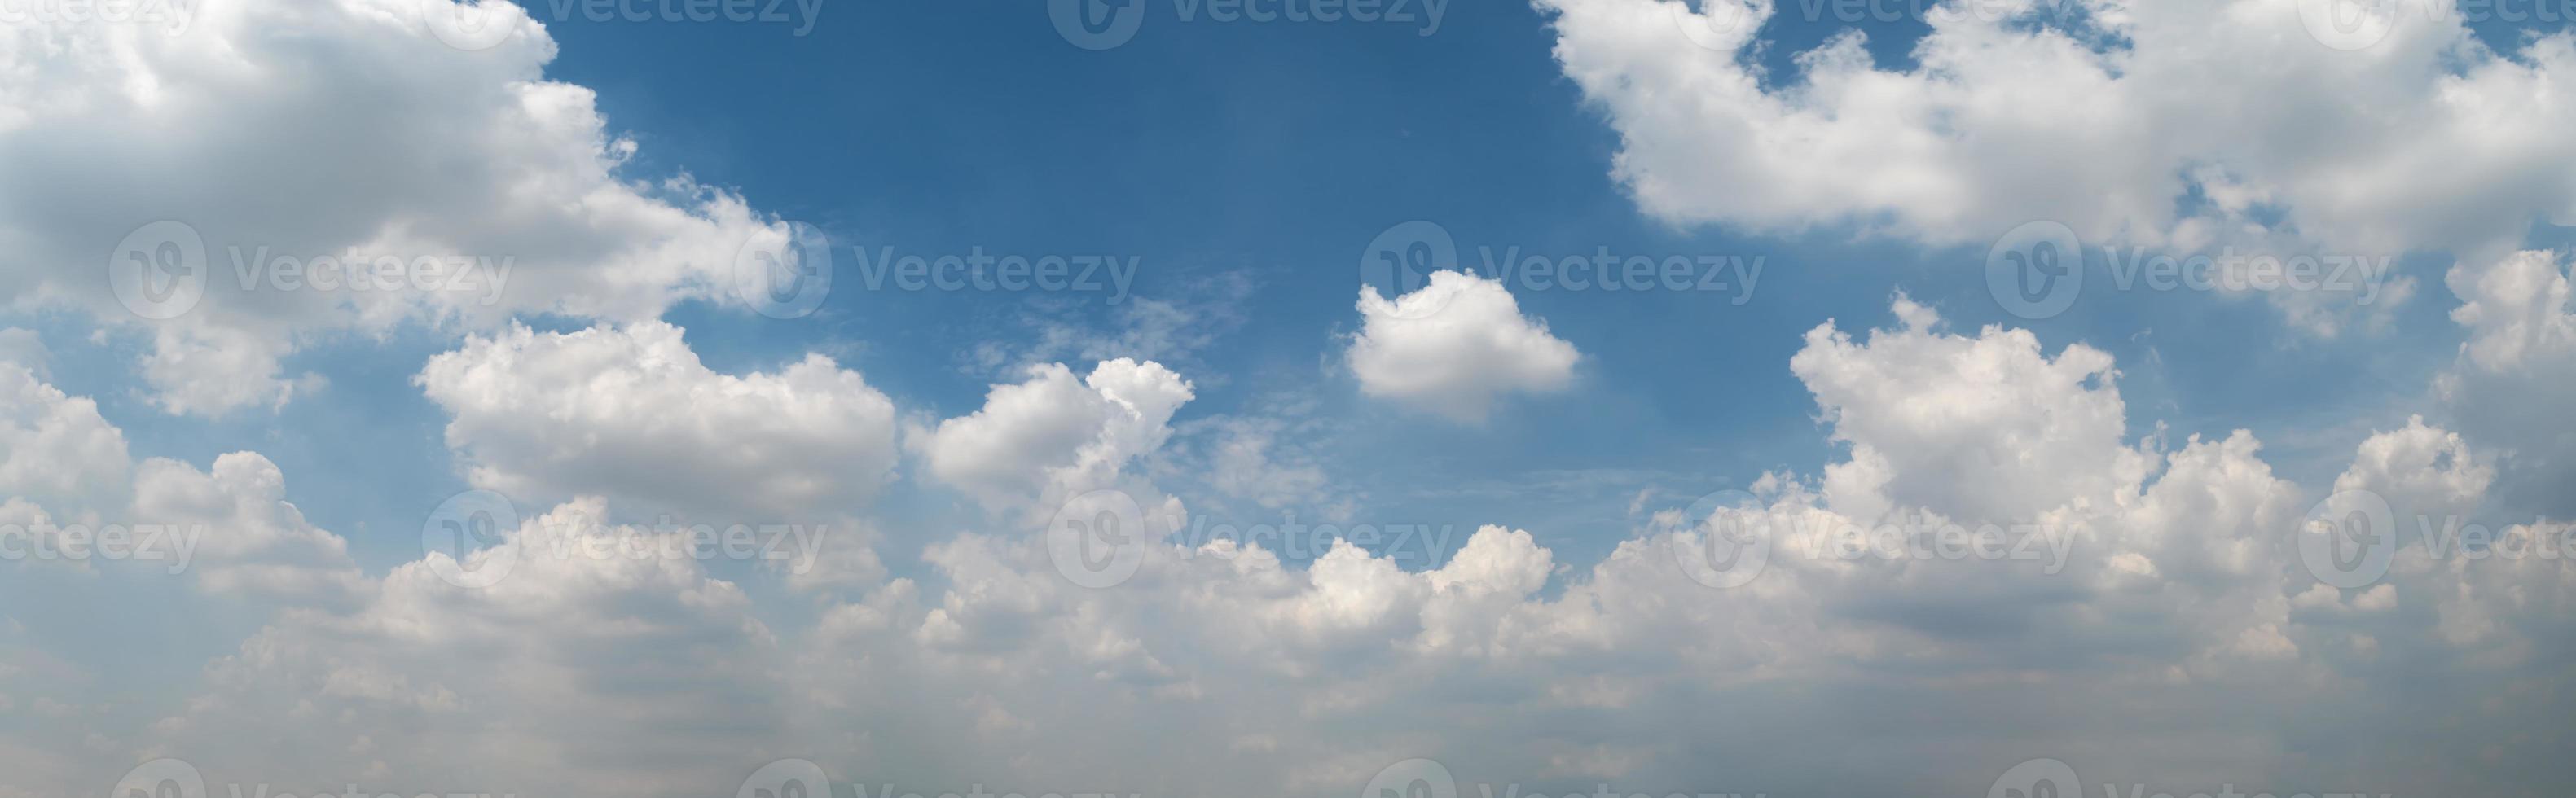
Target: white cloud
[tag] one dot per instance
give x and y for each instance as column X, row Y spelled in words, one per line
column 1988, row 427
column 1051, row 436
column 385, row 142
column 1227, row 671
column 229, row 529
column 1454, row 346
column 2182, row 126
column 2507, row 388
column 631, row 414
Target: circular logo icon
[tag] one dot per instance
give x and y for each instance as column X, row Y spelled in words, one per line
column 1725, row 541
column 1412, row 778
column 2348, row 540
column 465, row 533
column 2036, row 270
column 161, row 778
column 1720, row 25
column 1097, row 24
column 472, row 24
column 1097, row 539
column 1400, row 262
column 787, row 778
column 2348, row 25
column 159, row 271
column 784, row 277
column 2038, row 778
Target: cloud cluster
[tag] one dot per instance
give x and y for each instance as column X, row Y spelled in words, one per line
column 2185, row 126
column 630, row 414
column 328, row 166
column 1454, row 346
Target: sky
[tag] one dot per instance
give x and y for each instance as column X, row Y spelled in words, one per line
column 1286, row 397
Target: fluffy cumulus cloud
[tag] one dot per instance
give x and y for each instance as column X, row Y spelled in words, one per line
column 318, row 166
column 2187, row 126
column 2140, row 610
column 2508, row 386
column 631, row 414
column 1454, row 346
column 1995, row 563
column 1052, row 436
column 73, row 495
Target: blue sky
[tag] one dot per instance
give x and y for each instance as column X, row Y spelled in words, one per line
column 1246, row 170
